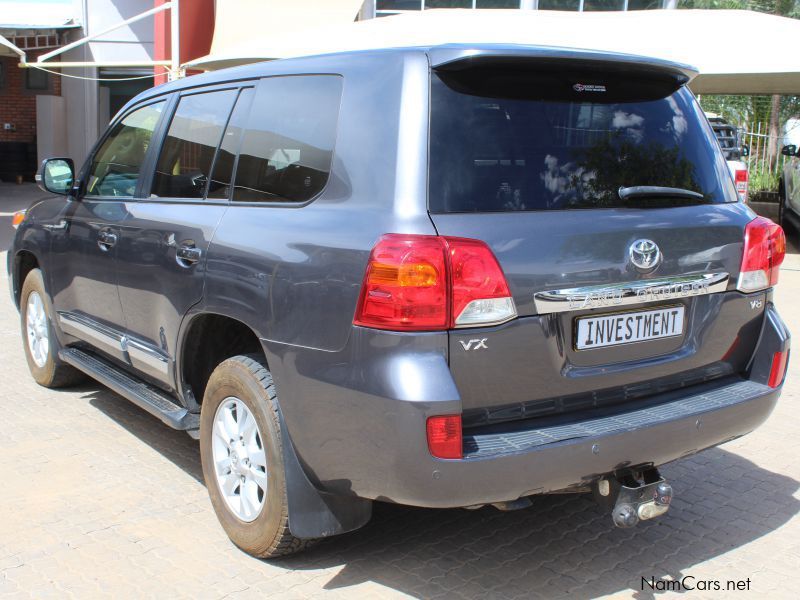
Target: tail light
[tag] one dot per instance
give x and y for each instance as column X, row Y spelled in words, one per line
column 778, row 370
column 432, row 283
column 764, row 251
column 741, row 178
column 479, row 288
column 444, row 436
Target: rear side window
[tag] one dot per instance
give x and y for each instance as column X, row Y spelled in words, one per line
column 220, row 185
column 288, row 144
column 187, row 154
column 117, row 163
column 521, row 141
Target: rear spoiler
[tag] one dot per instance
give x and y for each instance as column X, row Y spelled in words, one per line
column 458, row 57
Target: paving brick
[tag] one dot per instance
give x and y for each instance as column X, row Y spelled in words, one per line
column 101, row 499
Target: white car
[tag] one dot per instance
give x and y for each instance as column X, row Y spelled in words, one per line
column 733, row 150
column 789, row 186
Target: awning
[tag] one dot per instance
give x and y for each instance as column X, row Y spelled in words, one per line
column 243, row 26
column 736, row 52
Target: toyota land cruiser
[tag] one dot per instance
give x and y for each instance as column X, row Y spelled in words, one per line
column 443, row 277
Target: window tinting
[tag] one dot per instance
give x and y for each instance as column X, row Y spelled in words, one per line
column 184, row 164
column 220, row 184
column 398, row 5
column 644, row 4
column 497, row 4
column 506, row 142
column 36, row 79
column 559, row 4
column 116, row 165
column 448, row 3
column 288, row 145
column 596, row 5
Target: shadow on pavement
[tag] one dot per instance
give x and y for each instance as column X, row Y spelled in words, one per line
column 561, row 545
column 174, row 445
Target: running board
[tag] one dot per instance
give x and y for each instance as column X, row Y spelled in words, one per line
column 145, row 396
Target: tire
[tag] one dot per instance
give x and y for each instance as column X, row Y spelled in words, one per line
column 262, row 531
column 40, row 341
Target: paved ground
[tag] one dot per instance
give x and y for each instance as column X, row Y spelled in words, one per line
column 101, row 499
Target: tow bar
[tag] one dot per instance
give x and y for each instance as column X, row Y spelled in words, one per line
column 634, row 496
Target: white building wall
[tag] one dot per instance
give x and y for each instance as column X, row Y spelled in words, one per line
column 51, row 118
column 85, row 117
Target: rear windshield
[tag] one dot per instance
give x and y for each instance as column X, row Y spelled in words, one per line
column 557, row 140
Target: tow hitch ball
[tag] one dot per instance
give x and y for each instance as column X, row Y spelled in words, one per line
column 634, row 498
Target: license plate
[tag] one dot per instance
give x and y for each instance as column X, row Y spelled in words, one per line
column 629, row 327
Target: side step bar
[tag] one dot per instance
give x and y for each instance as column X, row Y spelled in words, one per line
column 140, row 393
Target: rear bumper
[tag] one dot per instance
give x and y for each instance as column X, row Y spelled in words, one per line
column 371, row 441
column 655, row 435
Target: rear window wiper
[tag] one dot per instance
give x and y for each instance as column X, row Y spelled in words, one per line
column 657, row 191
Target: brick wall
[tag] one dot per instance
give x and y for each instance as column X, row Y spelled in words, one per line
column 18, row 105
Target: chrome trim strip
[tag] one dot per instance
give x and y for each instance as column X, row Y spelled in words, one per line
column 629, row 293
column 89, row 330
column 104, row 337
column 148, row 356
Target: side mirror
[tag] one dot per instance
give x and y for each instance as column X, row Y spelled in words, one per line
column 789, row 150
column 56, row 175
column 745, row 151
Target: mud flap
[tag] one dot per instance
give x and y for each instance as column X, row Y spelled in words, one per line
column 312, row 513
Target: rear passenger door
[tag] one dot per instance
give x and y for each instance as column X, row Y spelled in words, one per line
column 163, row 242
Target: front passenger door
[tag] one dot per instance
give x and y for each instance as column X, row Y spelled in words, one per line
column 83, row 254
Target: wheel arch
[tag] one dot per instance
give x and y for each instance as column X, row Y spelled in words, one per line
column 25, row 261
column 206, row 339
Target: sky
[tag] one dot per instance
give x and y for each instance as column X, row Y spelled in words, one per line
column 36, row 12
column 35, row 1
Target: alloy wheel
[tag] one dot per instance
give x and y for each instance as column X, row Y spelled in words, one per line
column 36, row 328
column 240, row 461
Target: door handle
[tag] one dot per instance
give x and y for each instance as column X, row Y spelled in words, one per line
column 106, row 240
column 187, row 256
column 62, row 224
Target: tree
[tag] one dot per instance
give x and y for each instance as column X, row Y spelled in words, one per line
column 779, row 109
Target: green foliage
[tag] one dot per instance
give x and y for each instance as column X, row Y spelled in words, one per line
column 761, row 180
column 749, row 111
column 788, row 8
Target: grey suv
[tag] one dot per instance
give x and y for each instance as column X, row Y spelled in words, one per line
column 442, row 277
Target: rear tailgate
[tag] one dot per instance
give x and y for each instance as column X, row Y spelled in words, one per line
column 535, row 174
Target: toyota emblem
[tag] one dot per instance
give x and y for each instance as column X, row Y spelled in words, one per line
column 644, row 255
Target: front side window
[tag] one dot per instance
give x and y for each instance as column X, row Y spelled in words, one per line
column 287, row 149
column 184, row 165
column 117, row 164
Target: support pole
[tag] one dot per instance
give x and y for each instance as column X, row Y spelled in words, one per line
column 175, row 40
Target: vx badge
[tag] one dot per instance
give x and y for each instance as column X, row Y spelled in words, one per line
column 474, row 344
